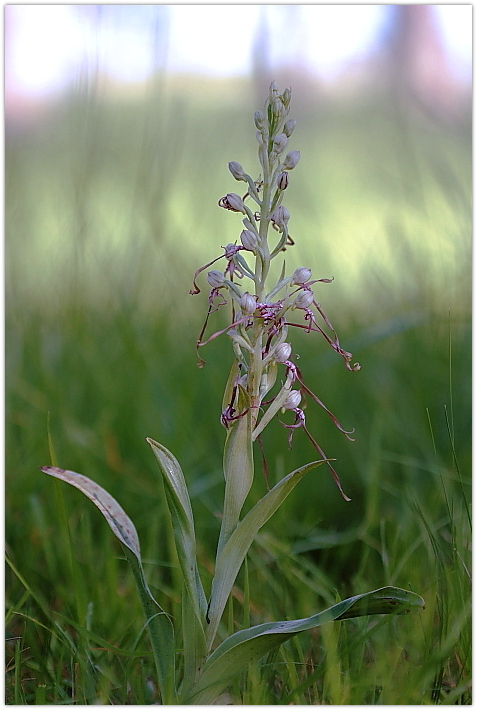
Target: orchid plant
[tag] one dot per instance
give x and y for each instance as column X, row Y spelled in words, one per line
column 264, row 381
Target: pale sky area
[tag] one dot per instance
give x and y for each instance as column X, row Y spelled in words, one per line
column 46, row 44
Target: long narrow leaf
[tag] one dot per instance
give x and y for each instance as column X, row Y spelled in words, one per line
column 159, row 625
column 121, row 525
column 193, row 645
column 183, row 524
column 238, row 471
column 246, row 646
column 182, row 519
column 233, row 553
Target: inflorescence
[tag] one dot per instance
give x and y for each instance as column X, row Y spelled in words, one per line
column 261, row 316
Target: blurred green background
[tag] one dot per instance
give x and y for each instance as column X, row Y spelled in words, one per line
column 111, row 205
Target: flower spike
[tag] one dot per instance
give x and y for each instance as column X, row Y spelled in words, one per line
column 259, row 324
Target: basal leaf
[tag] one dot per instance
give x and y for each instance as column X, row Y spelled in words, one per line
column 183, row 524
column 242, row 648
column 121, row 525
column 194, row 602
column 159, row 625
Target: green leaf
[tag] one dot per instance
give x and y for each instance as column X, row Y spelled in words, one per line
column 193, row 645
column 233, row 553
column 183, row 524
column 159, row 625
column 246, row 646
column 182, row 518
column 238, row 470
column 121, row 525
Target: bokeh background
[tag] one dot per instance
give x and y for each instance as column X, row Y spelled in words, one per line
column 120, row 122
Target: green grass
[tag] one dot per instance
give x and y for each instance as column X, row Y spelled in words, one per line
column 110, row 209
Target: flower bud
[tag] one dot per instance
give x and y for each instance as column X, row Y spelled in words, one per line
column 293, row 400
column 249, row 240
column 280, row 217
column 289, row 127
column 282, row 182
column 282, row 352
column 248, row 304
column 280, row 143
column 232, row 202
column 291, row 160
column 277, row 107
column 286, row 97
column 259, row 120
column 215, row 278
column 300, row 276
column 237, row 171
column 303, row 300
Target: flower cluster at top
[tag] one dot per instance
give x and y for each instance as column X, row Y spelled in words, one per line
column 261, row 316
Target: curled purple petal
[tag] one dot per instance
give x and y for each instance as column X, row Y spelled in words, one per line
column 333, row 472
column 318, row 401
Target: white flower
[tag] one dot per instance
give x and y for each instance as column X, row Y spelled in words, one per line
column 248, row 304
column 292, row 401
column 300, row 276
column 280, row 143
column 232, row 202
column 249, row 239
column 215, row 278
column 280, row 217
column 291, row 159
column 237, row 170
column 289, row 127
column 303, row 300
column 282, row 352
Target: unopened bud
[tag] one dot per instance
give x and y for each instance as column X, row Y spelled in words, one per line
column 282, row 352
column 286, row 97
column 277, row 107
column 280, row 216
column 303, row 300
column 237, row 171
column 215, row 278
column 282, row 182
column 300, row 276
column 249, row 240
column 289, row 127
column 291, row 160
column 293, row 400
column 259, row 119
column 280, row 143
column 248, row 304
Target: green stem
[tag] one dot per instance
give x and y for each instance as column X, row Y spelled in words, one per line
column 263, row 231
column 262, row 267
